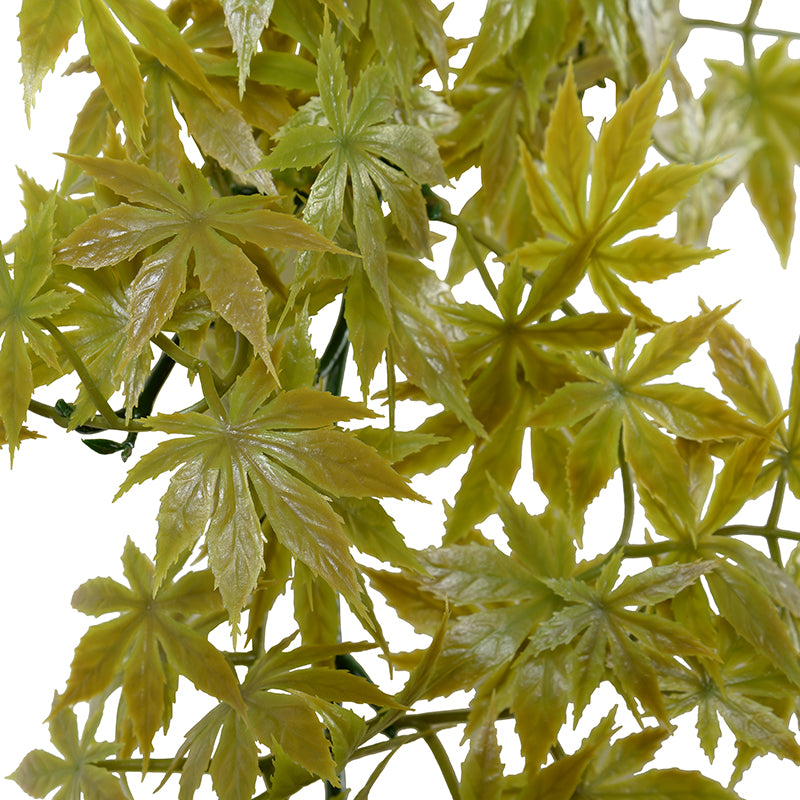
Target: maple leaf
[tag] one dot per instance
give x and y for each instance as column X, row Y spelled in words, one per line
column 703, row 130
column 75, row 774
column 616, row 769
column 746, row 379
column 616, row 399
column 604, row 634
column 743, row 688
column 246, row 19
column 507, row 65
column 504, row 355
column 482, row 770
column 155, row 633
column 478, row 640
column 284, row 699
column 595, row 224
column 191, row 226
column 46, row 28
column 353, row 138
column 22, row 303
column 763, row 94
column 285, row 454
column 99, row 314
column 397, row 28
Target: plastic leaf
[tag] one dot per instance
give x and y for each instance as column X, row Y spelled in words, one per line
column 743, row 374
column 557, row 191
column 41, row 772
column 287, row 467
column 192, row 223
column 113, row 58
column 355, row 140
column 502, row 25
column 150, row 622
column 748, row 607
column 222, row 132
column 246, row 19
column 482, row 771
column 764, row 95
column 45, row 28
column 157, row 33
column 22, row 302
column 672, row 345
column 604, row 631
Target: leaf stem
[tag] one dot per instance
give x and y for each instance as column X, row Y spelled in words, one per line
column 627, row 517
column 443, row 761
column 774, row 515
column 210, row 389
column 743, row 29
column 756, row 530
column 100, row 402
column 51, row 413
column 175, row 352
column 439, row 209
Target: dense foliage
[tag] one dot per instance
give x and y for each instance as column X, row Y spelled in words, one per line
column 318, row 149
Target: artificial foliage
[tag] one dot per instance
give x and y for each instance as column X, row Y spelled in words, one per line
column 315, row 153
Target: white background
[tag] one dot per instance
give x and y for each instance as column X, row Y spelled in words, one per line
column 59, row 528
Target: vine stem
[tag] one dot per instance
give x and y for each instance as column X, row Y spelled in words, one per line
column 443, row 761
column 100, row 402
column 772, row 519
column 742, row 28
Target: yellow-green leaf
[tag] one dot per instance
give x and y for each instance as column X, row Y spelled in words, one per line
column 246, row 19
column 112, row 56
column 45, row 28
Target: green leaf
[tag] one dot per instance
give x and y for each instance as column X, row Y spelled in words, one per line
column 195, row 221
column 112, row 56
column 482, row 770
column 763, row 96
column 743, row 374
column 502, row 25
column 622, row 145
column 747, row 605
column 672, row 345
column 22, row 303
column 151, row 621
column 246, row 19
column 285, row 466
column 75, row 774
column 157, row 33
column 222, row 132
column 567, row 151
column 45, row 28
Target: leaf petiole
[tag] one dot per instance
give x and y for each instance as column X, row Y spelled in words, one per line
column 100, row 402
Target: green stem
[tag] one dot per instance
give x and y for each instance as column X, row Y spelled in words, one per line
column 627, row 517
column 627, row 498
column 770, row 534
column 772, row 520
column 44, row 410
column 210, row 390
column 442, row 759
column 100, row 402
column 439, row 209
column 649, row 550
column 742, row 28
column 175, row 352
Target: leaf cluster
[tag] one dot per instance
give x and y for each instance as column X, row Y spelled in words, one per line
column 241, row 166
